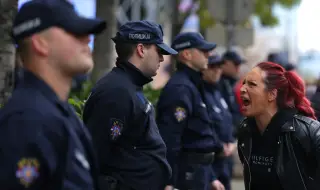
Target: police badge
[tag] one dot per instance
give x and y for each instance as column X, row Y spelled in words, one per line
column 28, row 171
column 180, row 114
column 116, row 128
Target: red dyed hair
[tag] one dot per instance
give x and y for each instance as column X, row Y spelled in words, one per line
column 237, row 91
column 291, row 90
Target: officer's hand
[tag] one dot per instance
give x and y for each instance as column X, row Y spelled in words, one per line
column 226, row 151
column 232, row 147
column 169, row 187
column 217, row 185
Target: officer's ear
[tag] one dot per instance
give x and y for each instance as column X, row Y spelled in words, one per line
column 186, row 54
column 140, row 50
column 40, row 44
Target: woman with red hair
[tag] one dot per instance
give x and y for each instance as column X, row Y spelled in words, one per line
column 237, row 88
column 279, row 140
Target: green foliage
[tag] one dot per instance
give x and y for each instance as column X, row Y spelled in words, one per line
column 206, row 19
column 78, row 105
column 78, row 98
column 263, row 10
column 151, row 94
column 84, row 93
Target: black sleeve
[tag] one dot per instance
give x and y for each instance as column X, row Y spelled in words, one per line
column 175, row 109
column 30, row 150
column 315, row 101
column 315, row 139
column 108, row 118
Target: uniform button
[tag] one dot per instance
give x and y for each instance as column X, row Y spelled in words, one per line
column 291, row 127
column 134, row 147
column 269, row 169
column 278, row 142
column 242, row 144
column 244, row 125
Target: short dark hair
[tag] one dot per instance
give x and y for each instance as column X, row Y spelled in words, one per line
column 126, row 50
column 23, row 49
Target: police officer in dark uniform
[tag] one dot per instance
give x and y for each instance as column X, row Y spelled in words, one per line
column 43, row 143
column 230, row 71
column 131, row 152
column 183, row 119
column 222, row 118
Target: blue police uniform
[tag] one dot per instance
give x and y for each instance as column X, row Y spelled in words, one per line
column 222, row 118
column 226, row 86
column 43, row 143
column 184, row 123
column 131, row 152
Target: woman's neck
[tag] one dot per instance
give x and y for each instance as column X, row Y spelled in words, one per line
column 264, row 119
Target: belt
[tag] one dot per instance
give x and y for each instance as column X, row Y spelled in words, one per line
column 111, row 183
column 198, row 158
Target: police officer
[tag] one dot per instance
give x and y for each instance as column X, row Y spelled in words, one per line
column 230, row 71
column 222, row 119
column 183, row 119
column 131, row 152
column 43, row 143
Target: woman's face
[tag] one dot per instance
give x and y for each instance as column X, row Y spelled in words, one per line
column 256, row 99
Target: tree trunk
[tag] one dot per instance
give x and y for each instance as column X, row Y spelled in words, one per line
column 8, row 9
column 103, row 45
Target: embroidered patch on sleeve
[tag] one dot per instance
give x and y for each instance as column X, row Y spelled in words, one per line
column 28, row 171
column 180, row 114
column 116, row 128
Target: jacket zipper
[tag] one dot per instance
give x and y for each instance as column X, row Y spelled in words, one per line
column 247, row 161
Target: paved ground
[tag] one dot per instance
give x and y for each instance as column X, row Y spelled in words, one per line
column 237, row 184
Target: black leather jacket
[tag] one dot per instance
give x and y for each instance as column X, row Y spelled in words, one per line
column 298, row 158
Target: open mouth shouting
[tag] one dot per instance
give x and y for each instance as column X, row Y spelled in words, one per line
column 246, row 102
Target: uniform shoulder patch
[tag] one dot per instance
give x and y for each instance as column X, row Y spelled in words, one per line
column 116, row 128
column 28, row 171
column 180, row 114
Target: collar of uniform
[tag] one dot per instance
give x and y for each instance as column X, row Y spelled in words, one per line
column 195, row 76
column 31, row 80
column 210, row 87
column 134, row 73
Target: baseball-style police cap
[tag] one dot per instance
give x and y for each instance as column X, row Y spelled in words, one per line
column 37, row 15
column 188, row 40
column 233, row 56
column 144, row 32
column 215, row 60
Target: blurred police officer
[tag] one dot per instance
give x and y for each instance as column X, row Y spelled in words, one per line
column 131, row 152
column 222, row 119
column 282, row 59
column 43, row 143
column 230, row 72
column 183, row 119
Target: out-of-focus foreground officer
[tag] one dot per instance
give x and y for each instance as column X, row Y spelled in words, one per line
column 183, row 119
column 43, row 143
column 131, row 152
column 222, row 118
